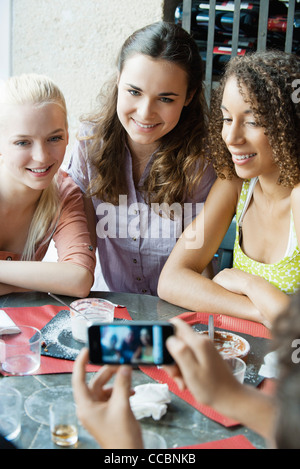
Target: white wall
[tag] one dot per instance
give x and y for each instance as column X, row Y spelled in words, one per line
column 5, row 38
column 76, row 43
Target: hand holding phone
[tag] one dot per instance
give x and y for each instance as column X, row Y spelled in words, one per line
column 132, row 343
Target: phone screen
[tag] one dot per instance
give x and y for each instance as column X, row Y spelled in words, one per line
column 130, row 343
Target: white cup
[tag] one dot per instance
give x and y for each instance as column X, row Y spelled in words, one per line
column 90, row 310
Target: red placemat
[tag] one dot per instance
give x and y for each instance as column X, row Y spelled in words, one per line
column 39, row 316
column 224, row 322
column 228, row 322
column 234, row 442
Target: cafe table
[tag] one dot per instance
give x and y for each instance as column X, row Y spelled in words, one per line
column 182, row 426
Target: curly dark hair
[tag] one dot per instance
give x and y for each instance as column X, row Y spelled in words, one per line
column 270, row 78
column 179, row 162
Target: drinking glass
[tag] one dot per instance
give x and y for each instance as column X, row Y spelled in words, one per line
column 238, row 367
column 63, row 423
column 20, row 353
column 10, row 411
column 153, row 440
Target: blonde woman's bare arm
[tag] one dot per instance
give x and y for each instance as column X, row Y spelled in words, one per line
column 62, row 278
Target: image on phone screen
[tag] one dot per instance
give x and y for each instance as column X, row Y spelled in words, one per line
column 130, row 344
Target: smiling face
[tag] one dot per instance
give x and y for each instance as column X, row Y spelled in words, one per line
column 151, row 96
column 244, row 137
column 33, row 142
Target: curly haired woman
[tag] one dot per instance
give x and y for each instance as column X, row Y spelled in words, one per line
column 140, row 160
column 254, row 142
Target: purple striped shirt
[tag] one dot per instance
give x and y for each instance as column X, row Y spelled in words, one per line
column 134, row 240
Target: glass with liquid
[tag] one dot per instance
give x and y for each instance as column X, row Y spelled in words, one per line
column 63, row 423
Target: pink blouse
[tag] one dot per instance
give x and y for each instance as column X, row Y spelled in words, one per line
column 71, row 235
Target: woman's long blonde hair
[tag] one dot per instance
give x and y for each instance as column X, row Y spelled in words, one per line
column 37, row 90
column 179, row 162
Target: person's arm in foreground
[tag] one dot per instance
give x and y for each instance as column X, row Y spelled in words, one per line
column 106, row 412
column 201, row 369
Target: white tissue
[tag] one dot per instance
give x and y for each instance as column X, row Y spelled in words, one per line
column 269, row 369
column 7, row 326
column 150, row 400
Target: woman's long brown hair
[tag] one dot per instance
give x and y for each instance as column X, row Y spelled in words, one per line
column 179, row 162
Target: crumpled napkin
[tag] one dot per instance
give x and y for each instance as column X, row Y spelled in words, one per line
column 150, row 400
column 270, row 367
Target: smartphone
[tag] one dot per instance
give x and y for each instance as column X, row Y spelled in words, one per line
column 133, row 342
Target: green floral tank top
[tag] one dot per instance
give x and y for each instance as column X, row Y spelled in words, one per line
column 285, row 274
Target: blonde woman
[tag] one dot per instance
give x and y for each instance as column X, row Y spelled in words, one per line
column 38, row 201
